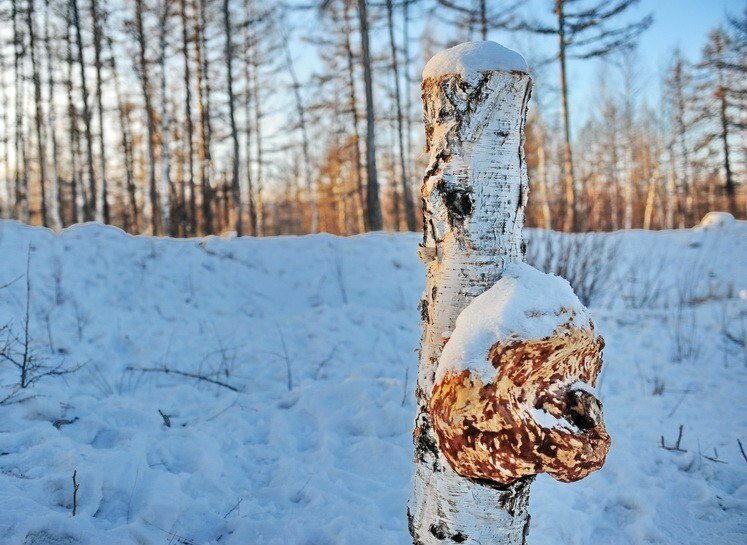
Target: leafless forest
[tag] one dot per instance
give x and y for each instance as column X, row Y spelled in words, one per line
column 192, row 117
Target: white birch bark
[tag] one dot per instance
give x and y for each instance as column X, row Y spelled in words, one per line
column 474, row 193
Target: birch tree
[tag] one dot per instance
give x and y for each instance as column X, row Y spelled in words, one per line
column 55, row 197
column 475, row 456
column 90, row 201
column 102, row 195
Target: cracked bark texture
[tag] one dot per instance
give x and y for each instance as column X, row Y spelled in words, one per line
column 473, row 197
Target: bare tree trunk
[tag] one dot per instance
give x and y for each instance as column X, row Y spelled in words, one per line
column 188, row 120
column 91, row 200
column 409, row 208
column 570, row 221
column 373, row 208
column 248, row 124
column 360, row 202
column 542, row 175
column 77, row 204
column 304, row 137
column 203, row 102
column 724, row 134
column 54, row 200
column 653, row 182
column 144, row 76
column 163, row 22
column 38, row 114
column 256, row 96
column 474, row 192
column 102, row 197
column 8, row 196
column 132, row 220
column 21, row 201
column 235, row 184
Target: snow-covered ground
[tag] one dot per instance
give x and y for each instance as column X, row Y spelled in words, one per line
column 317, row 335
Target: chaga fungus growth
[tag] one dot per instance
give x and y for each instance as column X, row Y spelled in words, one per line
column 514, row 387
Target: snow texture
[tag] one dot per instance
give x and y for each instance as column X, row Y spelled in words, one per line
column 524, row 304
column 716, row 220
column 546, row 420
column 469, row 58
column 330, row 461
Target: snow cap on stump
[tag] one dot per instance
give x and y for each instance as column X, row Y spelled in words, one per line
column 470, row 58
column 514, row 388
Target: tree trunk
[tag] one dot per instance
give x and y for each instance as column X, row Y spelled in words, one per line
column 235, row 185
column 8, row 195
column 256, row 99
column 300, row 110
column 132, row 220
column 188, row 120
column 38, row 114
column 724, row 134
column 248, row 123
column 77, row 205
column 571, row 220
column 360, row 203
column 166, row 219
column 55, row 214
column 21, row 202
column 406, row 191
column 373, row 208
column 203, row 103
column 155, row 219
column 102, row 197
column 91, row 200
column 474, row 193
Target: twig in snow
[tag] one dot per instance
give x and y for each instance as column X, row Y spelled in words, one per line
column 16, row 279
column 166, row 419
column 741, row 449
column 677, row 405
column 712, row 459
column 285, row 356
column 167, row 370
column 325, row 361
column 75, row 492
column 238, row 503
column 183, row 540
column 63, row 422
column 676, row 446
column 404, row 390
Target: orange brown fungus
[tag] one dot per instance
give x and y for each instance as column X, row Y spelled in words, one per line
column 489, row 431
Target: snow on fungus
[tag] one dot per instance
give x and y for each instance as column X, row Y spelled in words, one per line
column 469, row 58
column 514, row 390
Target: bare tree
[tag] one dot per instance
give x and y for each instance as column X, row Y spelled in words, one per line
column 409, row 209
column 55, row 197
column 189, row 125
column 721, row 93
column 164, row 13
column 143, row 73
column 90, row 202
column 38, row 113
column 584, row 31
column 102, row 195
column 235, row 157
column 373, row 206
column 301, row 113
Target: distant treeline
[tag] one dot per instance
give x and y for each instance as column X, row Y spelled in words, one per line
column 194, row 117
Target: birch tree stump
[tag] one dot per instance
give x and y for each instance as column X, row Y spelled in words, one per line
column 500, row 384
